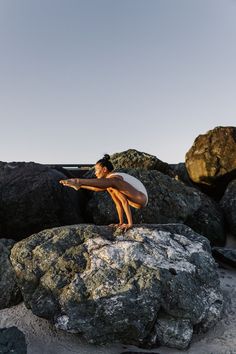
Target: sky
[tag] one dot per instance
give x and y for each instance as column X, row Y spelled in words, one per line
column 81, row 78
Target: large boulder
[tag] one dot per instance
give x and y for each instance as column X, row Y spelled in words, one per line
column 212, row 158
column 153, row 284
column 228, row 205
column 9, row 292
column 31, row 199
column 170, row 201
column 134, row 159
column 140, row 160
column 12, row 340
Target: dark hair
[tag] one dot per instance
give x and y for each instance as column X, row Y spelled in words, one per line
column 105, row 162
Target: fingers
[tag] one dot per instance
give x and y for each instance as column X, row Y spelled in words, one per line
column 69, row 183
column 64, row 182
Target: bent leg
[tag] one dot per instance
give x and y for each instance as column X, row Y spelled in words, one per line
column 125, row 204
column 118, row 205
column 124, row 187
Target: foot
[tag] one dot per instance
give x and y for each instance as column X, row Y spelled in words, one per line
column 125, row 227
column 115, row 225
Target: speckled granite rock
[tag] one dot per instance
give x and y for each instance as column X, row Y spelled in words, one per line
column 153, row 284
column 170, row 201
column 140, row 160
column 9, row 292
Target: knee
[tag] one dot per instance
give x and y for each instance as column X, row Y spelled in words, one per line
column 116, row 183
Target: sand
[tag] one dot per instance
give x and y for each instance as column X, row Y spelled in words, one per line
column 43, row 338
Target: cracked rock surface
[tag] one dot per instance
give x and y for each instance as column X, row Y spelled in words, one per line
column 155, row 284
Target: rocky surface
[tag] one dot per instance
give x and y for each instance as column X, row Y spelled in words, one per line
column 9, row 292
column 12, row 340
column 31, row 199
column 181, row 174
column 228, row 205
column 225, row 254
column 170, row 201
column 140, row 160
column 212, row 158
column 154, row 284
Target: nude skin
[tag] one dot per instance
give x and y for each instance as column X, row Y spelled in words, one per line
column 122, row 193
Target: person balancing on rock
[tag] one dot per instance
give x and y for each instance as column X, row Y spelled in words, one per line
column 124, row 189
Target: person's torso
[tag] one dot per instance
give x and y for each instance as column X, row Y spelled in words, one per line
column 133, row 181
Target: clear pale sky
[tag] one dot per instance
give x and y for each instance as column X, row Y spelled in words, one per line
column 80, row 78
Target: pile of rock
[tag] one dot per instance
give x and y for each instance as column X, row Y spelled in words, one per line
column 155, row 284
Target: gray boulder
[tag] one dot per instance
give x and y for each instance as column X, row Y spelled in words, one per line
column 31, row 199
column 170, row 201
column 9, row 292
column 228, row 205
column 12, row 340
column 140, row 160
column 153, row 284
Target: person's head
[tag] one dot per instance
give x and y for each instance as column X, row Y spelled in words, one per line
column 103, row 167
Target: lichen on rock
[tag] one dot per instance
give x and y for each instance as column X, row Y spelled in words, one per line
column 153, row 284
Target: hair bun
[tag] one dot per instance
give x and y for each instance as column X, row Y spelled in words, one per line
column 106, row 157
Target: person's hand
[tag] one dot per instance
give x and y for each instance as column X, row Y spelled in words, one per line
column 70, row 183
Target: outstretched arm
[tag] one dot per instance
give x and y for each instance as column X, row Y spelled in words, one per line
column 95, row 189
column 74, row 183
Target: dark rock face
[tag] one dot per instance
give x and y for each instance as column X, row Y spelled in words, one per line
column 153, row 284
column 9, row 292
column 140, row 160
column 228, row 205
column 31, row 199
column 213, row 156
column 181, row 174
column 225, row 255
column 170, row 201
column 12, row 340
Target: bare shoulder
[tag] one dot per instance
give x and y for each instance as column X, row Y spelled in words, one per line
column 116, row 177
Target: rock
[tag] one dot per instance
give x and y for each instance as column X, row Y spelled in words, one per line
column 225, row 255
column 139, row 160
column 228, row 205
column 110, row 286
column 170, row 201
column 12, row 340
column 172, row 332
column 181, row 174
column 129, row 352
column 9, row 292
column 212, row 158
column 31, row 199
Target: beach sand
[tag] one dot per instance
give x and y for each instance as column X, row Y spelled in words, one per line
column 43, row 338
